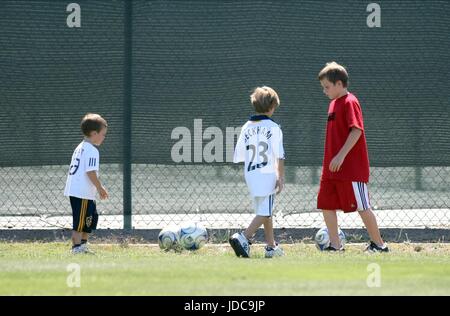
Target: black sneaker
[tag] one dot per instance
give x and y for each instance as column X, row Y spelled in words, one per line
column 240, row 245
column 373, row 247
column 331, row 248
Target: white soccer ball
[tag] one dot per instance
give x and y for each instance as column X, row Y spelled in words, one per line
column 193, row 236
column 322, row 238
column 168, row 238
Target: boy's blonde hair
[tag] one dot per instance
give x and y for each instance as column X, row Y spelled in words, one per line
column 264, row 99
column 334, row 72
column 92, row 122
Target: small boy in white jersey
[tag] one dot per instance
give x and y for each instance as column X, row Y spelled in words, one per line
column 260, row 147
column 82, row 181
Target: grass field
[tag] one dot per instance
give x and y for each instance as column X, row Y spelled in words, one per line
column 41, row 269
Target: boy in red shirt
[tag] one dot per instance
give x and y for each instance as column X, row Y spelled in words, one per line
column 345, row 172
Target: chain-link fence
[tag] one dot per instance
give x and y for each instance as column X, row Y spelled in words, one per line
column 172, row 74
column 217, row 196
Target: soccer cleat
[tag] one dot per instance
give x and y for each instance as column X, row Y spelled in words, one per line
column 240, row 245
column 77, row 250
column 373, row 247
column 271, row 252
column 86, row 249
column 331, row 249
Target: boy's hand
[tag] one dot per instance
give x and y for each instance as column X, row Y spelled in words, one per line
column 103, row 193
column 338, row 160
column 279, row 185
column 336, row 163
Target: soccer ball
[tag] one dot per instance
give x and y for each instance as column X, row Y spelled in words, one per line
column 322, row 238
column 193, row 236
column 168, row 238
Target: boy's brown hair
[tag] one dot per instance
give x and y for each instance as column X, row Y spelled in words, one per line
column 92, row 122
column 334, row 72
column 264, row 99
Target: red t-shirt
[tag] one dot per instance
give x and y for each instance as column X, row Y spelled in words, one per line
column 343, row 114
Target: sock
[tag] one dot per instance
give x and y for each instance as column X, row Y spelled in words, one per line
column 83, row 241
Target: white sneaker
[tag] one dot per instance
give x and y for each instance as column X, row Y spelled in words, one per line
column 85, row 249
column 240, row 245
column 77, row 250
column 273, row 252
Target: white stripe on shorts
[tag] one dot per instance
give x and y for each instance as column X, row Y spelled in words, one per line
column 264, row 205
column 272, row 197
column 361, row 196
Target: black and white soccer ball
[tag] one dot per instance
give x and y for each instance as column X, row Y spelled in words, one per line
column 322, row 238
column 193, row 236
column 169, row 237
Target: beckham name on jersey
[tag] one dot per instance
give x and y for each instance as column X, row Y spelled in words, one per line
column 264, row 131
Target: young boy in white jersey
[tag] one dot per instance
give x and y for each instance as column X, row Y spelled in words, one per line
column 260, row 147
column 83, row 183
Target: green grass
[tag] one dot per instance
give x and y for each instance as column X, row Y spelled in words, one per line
column 41, row 269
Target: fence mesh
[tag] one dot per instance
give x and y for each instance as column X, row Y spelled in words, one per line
column 193, row 66
column 217, row 196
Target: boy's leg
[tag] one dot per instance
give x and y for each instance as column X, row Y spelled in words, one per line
column 254, row 225
column 268, row 232
column 76, row 238
column 361, row 193
column 90, row 223
column 264, row 211
column 330, row 218
column 328, row 201
column 371, row 224
column 272, row 249
column 239, row 241
column 76, row 242
column 84, row 237
column 77, row 211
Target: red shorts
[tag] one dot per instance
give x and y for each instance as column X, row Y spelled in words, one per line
column 343, row 195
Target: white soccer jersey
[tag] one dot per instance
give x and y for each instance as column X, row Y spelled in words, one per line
column 85, row 158
column 259, row 146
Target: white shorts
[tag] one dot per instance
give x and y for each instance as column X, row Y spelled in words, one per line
column 264, row 205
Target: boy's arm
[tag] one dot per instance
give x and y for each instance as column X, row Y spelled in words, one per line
column 92, row 175
column 338, row 160
column 280, row 176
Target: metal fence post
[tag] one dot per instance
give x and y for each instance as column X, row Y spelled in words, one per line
column 127, row 110
column 418, row 178
column 315, row 177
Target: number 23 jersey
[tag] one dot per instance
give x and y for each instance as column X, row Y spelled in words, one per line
column 259, row 146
